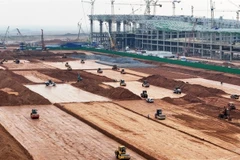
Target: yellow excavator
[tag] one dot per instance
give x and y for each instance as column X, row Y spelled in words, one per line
column 120, row 153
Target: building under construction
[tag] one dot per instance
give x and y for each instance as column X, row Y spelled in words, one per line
column 182, row 35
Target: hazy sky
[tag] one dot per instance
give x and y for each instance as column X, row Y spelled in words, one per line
column 65, row 14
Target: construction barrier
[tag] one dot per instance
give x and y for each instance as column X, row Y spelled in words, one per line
column 157, row 59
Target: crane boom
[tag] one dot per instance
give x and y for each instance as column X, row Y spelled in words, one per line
column 5, row 36
column 110, row 38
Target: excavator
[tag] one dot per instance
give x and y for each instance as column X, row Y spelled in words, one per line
column 122, row 83
column 120, row 153
column 34, row 114
column 225, row 114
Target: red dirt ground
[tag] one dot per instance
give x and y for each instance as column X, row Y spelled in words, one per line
column 24, row 97
column 91, row 83
column 10, row 149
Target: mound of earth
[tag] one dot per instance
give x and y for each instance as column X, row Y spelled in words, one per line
column 191, row 89
column 23, row 95
column 10, row 149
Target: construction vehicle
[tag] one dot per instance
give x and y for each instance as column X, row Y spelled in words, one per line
column 231, row 106
column 64, row 56
column 82, row 61
column 177, row 90
column 17, row 61
column 145, row 83
column 149, row 100
column 50, row 82
column 144, row 94
column 99, row 70
column 120, row 153
column 159, row 115
column 3, row 60
column 225, row 114
column 122, row 83
column 123, row 71
column 34, row 114
column 115, row 67
column 79, row 78
column 234, row 96
column 69, row 68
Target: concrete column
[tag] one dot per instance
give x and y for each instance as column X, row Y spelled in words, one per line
column 211, row 42
column 91, row 30
column 101, row 31
column 221, row 52
column 163, row 38
column 231, row 46
column 118, row 27
column 124, row 33
column 178, row 42
column 157, row 39
column 110, row 26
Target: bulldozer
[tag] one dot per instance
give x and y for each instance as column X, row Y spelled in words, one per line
column 69, row 68
column 145, row 84
column 122, row 83
column 115, row 67
column 144, row 94
column 50, row 82
column 34, row 114
column 225, row 114
column 159, row 115
column 120, row 153
column 123, row 71
column 99, row 70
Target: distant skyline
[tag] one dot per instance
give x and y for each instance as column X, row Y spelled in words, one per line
column 63, row 15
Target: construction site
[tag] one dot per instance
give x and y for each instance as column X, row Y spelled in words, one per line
column 108, row 103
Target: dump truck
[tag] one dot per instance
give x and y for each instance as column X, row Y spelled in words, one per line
column 144, row 94
column 120, row 153
column 145, row 83
column 159, row 115
column 99, row 70
column 50, row 83
column 122, row 83
column 34, row 114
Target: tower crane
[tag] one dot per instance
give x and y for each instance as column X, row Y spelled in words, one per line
column 155, row 4
column 92, row 2
column 79, row 30
column 212, row 13
column 173, row 4
column 20, row 34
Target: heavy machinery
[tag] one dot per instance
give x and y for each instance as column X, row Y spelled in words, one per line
column 3, row 60
column 149, row 100
column 82, row 61
column 122, row 83
column 145, row 83
column 177, row 90
column 50, row 82
column 123, row 71
column 120, row 153
column 79, row 78
column 144, row 94
column 69, row 68
column 17, row 61
column 231, row 106
column 64, row 56
column 159, row 115
column 225, row 114
column 34, row 114
column 99, row 70
column 115, row 67
column 234, row 96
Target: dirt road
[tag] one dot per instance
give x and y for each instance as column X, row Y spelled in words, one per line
column 147, row 135
column 57, row 135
